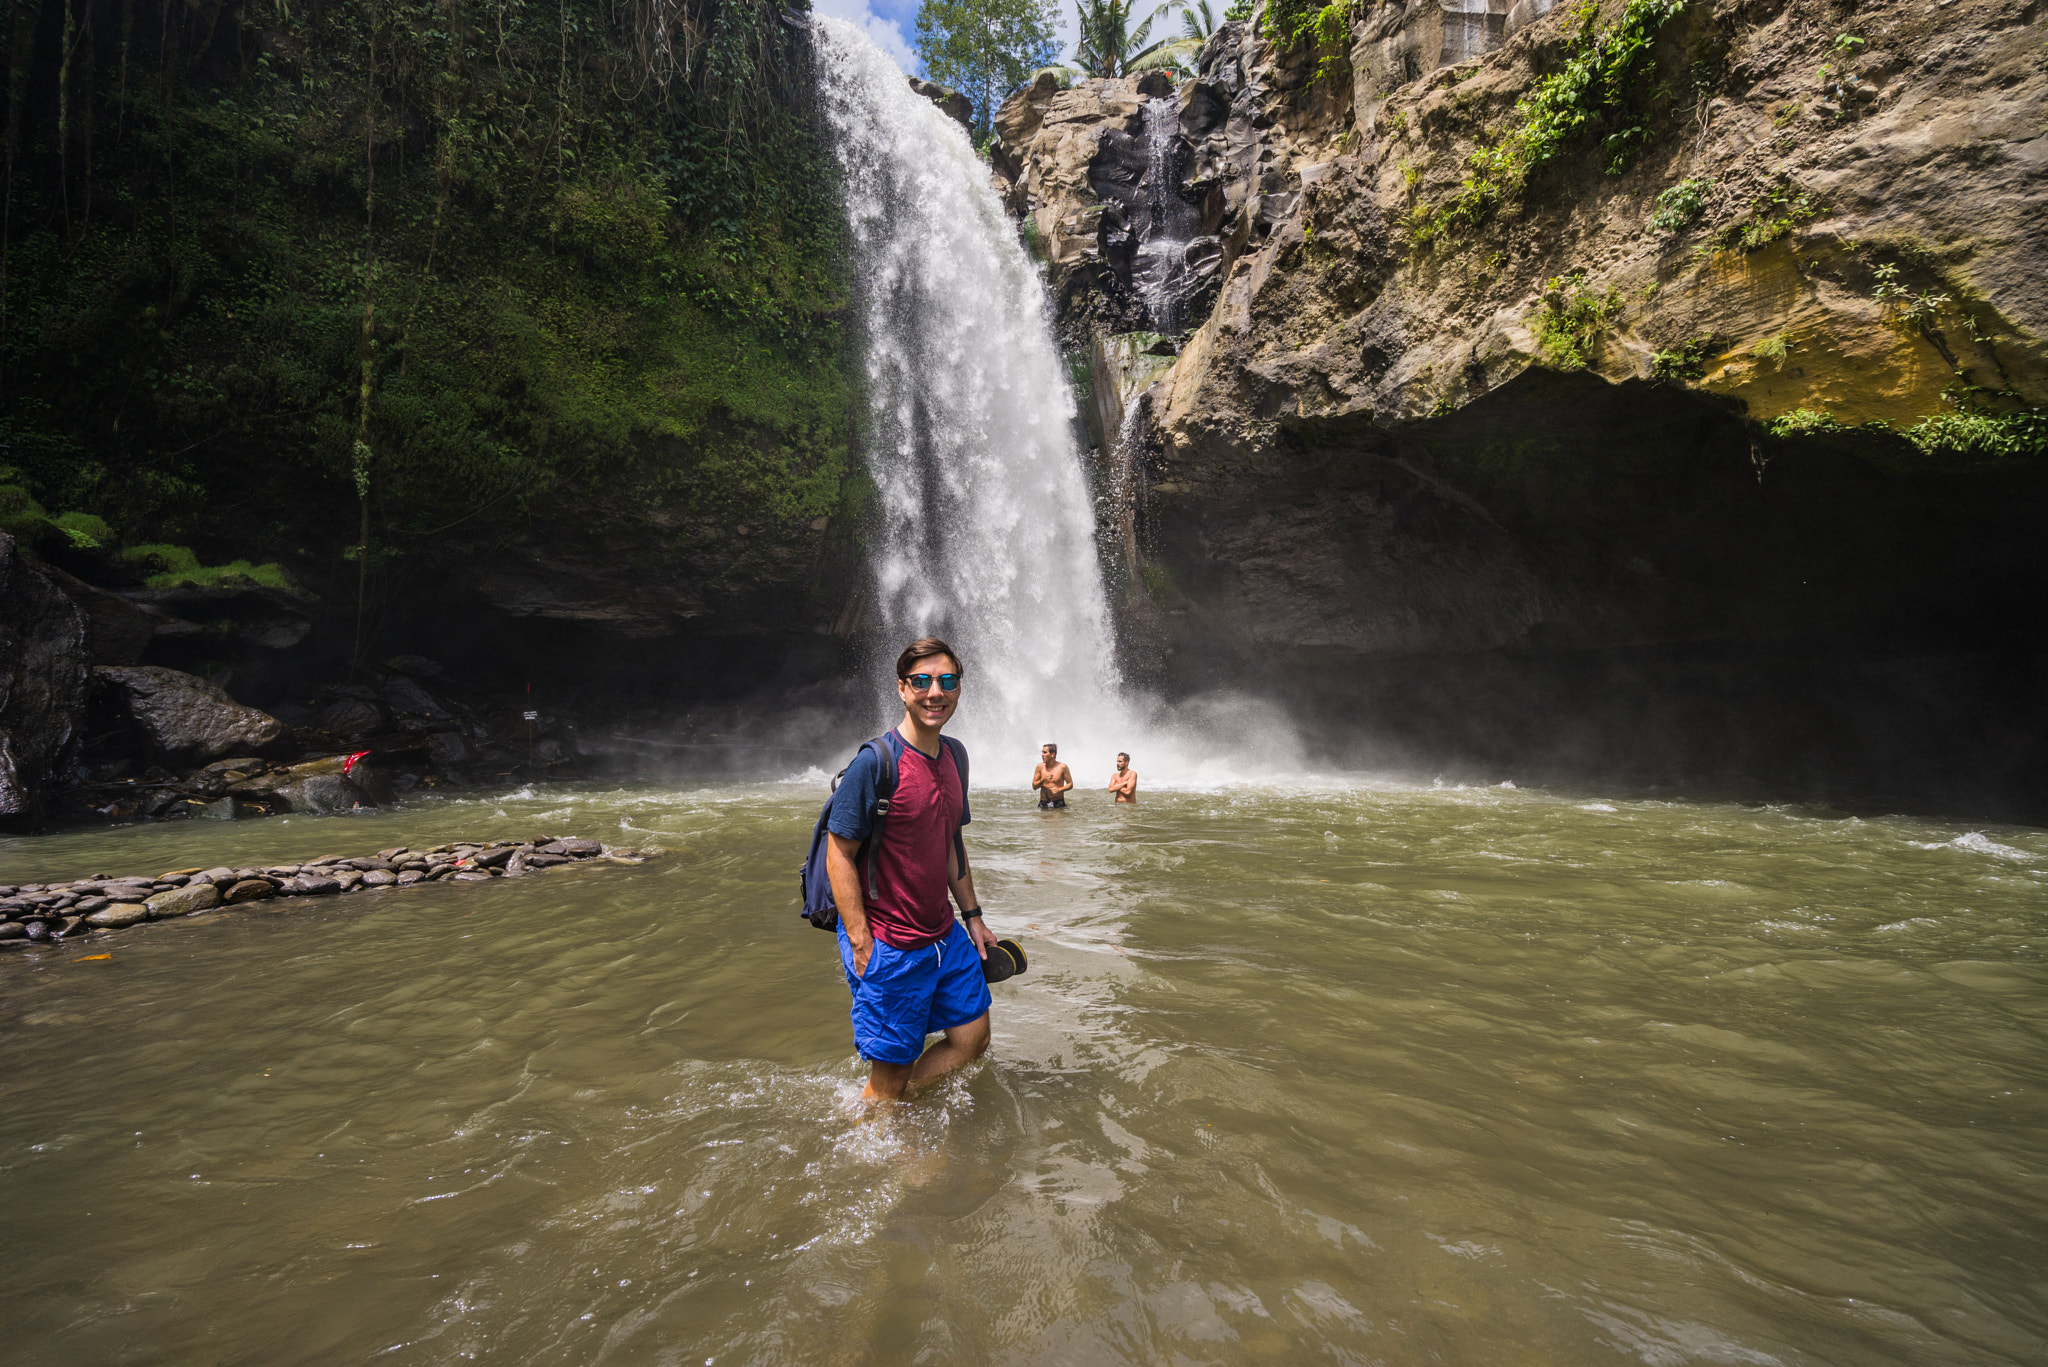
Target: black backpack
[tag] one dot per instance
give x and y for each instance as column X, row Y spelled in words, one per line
column 818, row 907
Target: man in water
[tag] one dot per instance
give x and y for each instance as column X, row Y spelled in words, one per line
column 1124, row 782
column 1051, row 778
column 913, row 969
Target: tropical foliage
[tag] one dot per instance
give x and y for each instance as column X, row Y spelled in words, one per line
column 371, row 283
column 1110, row 45
column 985, row 48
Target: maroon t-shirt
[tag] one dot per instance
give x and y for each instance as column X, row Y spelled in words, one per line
column 908, row 907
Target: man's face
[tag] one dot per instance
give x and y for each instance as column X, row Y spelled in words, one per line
column 933, row 706
column 1045, row 756
column 1123, row 762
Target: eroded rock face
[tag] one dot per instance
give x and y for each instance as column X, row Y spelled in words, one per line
column 43, row 673
column 1495, row 482
column 185, row 718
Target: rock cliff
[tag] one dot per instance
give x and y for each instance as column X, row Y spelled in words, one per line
column 1650, row 386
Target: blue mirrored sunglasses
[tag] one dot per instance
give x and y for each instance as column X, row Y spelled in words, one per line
column 948, row 683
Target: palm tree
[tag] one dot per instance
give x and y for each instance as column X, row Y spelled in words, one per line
column 1195, row 28
column 1109, row 46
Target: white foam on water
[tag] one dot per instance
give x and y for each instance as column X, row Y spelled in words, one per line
column 1975, row 842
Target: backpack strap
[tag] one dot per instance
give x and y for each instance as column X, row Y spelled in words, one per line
column 885, row 788
column 959, row 753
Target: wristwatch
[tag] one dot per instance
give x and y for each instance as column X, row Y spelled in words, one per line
column 970, row 915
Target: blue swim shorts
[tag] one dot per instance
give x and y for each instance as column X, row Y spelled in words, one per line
column 910, row 993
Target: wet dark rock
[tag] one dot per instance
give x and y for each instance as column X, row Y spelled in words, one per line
column 581, row 849
column 184, row 718
column 249, row 890
column 14, row 909
column 43, row 675
column 407, row 698
column 13, row 930
column 540, row 859
column 410, row 877
column 311, row 885
column 37, row 930
column 70, row 928
column 116, row 630
column 419, row 666
column 86, row 906
column 379, row 878
column 350, row 717
column 471, row 876
column 449, row 749
column 493, row 858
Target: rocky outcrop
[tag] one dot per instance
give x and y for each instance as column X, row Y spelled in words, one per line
column 34, row 914
column 42, row 685
column 952, row 103
column 185, row 718
column 1495, row 461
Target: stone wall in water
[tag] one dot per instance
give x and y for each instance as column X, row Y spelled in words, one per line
column 1703, row 442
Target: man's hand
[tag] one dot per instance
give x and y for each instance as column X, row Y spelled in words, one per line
column 982, row 936
column 863, row 950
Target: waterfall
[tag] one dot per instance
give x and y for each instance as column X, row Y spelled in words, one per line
column 985, row 532
column 1169, row 223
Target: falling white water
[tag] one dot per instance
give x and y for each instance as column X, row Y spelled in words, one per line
column 986, row 534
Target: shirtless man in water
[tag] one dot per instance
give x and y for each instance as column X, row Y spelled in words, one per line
column 1051, row 778
column 1124, row 782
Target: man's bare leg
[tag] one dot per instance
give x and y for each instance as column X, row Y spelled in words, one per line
column 886, row 1081
column 962, row 1045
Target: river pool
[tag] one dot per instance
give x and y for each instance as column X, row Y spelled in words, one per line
column 1362, row 1073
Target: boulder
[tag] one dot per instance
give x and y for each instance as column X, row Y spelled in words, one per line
column 119, row 916
column 311, row 885
column 183, row 901
column 318, row 786
column 183, row 717
column 951, row 102
column 350, row 717
column 43, row 673
column 249, row 890
column 116, row 630
column 379, row 878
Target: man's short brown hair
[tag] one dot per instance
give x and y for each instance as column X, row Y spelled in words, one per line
column 922, row 647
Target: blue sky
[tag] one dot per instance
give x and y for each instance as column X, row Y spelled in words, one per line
column 892, row 24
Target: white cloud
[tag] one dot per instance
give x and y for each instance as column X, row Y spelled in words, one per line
column 885, row 34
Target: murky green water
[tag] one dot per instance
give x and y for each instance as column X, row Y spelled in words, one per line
column 1361, row 1075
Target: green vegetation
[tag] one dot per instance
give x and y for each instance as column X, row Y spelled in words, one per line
column 1986, row 435
column 1324, row 27
column 1109, row 44
column 1680, row 206
column 1773, row 349
column 1684, row 362
column 1972, row 434
column 1901, row 307
column 985, row 48
column 1770, row 216
column 1603, row 90
column 171, row 567
column 1571, row 320
column 280, row 280
column 1803, row 422
column 1240, row 11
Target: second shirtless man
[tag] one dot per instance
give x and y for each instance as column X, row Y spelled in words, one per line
column 1051, row 778
column 1124, row 782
